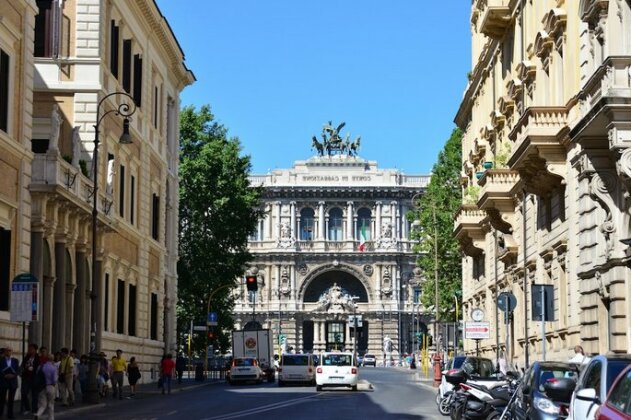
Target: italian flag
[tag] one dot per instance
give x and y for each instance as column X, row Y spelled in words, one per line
column 362, row 237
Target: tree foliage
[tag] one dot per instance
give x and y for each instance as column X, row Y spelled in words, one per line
column 440, row 202
column 218, row 211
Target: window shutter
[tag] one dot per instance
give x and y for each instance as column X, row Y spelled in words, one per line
column 127, row 65
column 114, row 40
column 137, row 79
column 4, row 91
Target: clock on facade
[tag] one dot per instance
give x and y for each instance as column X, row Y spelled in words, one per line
column 477, row 314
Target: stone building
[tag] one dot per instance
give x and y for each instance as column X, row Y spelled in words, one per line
column 17, row 19
column 334, row 228
column 83, row 51
column 547, row 130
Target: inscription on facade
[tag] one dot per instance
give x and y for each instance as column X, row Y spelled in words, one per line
column 336, row 178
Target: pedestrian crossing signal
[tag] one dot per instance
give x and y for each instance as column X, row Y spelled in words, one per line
column 251, row 283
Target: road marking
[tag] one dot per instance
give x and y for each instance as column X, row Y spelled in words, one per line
column 262, row 409
column 171, row 413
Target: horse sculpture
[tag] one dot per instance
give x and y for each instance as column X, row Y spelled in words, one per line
column 318, row 146
column 332, row 142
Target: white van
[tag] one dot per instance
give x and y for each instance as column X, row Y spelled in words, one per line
column 336, row 369
column 296, row 368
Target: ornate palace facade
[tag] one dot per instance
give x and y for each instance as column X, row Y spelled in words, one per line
column 334, row 229
column 547, row 137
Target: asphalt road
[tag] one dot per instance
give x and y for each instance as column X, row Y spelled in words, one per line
column 394, row 395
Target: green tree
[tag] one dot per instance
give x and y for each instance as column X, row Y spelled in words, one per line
column 440, row 202
column 219, row 209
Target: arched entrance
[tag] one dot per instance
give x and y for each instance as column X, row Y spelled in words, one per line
column 329, row 326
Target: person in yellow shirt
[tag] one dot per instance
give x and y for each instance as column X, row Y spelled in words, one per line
column 119, row 367
column 66, row 370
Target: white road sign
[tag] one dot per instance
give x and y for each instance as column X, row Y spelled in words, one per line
column 477, row 330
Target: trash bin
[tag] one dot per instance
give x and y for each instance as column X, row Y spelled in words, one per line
column 199, row 372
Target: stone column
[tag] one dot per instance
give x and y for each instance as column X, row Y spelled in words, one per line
column 316, row 335
column 347, row 336
column 323, row 334
column 278, row 219
column 393, row 213
column 70, row 321
column 37, row 269
column 349, row 221
column 321, row 223
column 47, row 312
column 378, row 220
column 292, row 216
column 59, row 298
column 266, row 223
column 78, row 333
column 97, row 284
column 292, row 273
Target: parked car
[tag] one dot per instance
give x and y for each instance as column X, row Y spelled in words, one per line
column 618, row 403
column 336, row 369
column 533, row 402
column 594, row 384
column 245, row 369
column 369, row 360
column 296, row 368
column 444, row 387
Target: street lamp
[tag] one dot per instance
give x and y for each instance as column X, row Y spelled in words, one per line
column 355, row 299
column 126, row 110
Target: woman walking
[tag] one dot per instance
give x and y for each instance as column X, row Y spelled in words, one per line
column 133, row 375
column 167, row 370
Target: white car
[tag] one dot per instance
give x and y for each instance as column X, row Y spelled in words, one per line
column 245, row 369
column 369, row 359
column 296, row 368
column 336, row 369
column 594, row 383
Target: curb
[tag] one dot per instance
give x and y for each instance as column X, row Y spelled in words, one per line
column 77, row 410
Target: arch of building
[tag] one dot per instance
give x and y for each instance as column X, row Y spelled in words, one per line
column 322, row 278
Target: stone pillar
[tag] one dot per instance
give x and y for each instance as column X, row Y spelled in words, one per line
column 97, row 284
column 292, row 215
column 59, row 299
column 347, row 337
column 278, row 219
column 267, row 233
column 378, row 227
column 316, row 335
column 78, row 330
column 323, row 334
column 393, row 218
column 349, row 221
column 321, row 223
column 47, row 312
column 37, row 269
column 294, row 293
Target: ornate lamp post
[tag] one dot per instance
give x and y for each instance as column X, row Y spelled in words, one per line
column 126, row 110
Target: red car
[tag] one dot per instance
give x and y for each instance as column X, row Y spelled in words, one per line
column 618, row 403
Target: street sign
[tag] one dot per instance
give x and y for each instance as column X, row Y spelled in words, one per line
column 351, row 321
column 199, row 328
column 24, row 298
column 542, row 302
column 477, row 330
column 506, row 302
column 212, row 319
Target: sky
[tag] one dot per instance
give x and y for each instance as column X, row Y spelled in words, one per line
column 275, row 71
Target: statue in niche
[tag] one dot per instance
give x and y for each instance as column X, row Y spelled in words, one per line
column 285, row 230
column 55, row 128
column 386, row 230
column 76, row 146
column 335, row 300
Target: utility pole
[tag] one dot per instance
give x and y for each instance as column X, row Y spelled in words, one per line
column 435, row 273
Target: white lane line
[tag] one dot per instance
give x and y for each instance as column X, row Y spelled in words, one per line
column 261, row 409
column 171, row 413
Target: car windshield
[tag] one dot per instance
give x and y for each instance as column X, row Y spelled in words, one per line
column 337, row 360
column 554, row 372
column 614, row 367
column 458, row 361
column 369, row 356
column 244, row 362
column 302, row 360
column 482, row 368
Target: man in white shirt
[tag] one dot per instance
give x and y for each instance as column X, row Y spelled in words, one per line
column 579, row 356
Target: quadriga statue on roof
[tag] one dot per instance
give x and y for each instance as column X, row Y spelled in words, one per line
column 332, row 142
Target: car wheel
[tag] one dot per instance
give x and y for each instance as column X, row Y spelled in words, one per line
column 318, row 388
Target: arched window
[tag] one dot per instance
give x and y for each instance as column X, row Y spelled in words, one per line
column 336, row 225
column 307, row 224
column 364, row 224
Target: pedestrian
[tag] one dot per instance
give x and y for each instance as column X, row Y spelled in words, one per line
column 119, row 368
column 47, row 376
column 9, row 371
column 579, row 356
column 104, row 375
column 180, row 364
column 133, row 375
column 29, row 366
column 75, row 370
column 66, row 374
column 167, row 371
column 57, row 363
column 82, row 375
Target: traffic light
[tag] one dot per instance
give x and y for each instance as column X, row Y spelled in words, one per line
column 251, row 283
column 211, row 335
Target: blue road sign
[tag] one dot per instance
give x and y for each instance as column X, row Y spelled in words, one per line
column 212, row 318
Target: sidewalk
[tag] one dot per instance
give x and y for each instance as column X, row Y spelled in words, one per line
column 149, row 390
column 426, row 381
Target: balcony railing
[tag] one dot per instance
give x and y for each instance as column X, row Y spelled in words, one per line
column 469, row 229
column 497, row 196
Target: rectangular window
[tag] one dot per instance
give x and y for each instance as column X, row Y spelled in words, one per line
column 417, row 295
column 106, row 303
column 155, row 217
column 127, row 65
column 114, row 41
column 120, row 307
column 132, row 199
column 137, row 79
column 4, row 91
column 43, row 29
column 154, row 317
column 131, row 322
column 121, row 191
column 5, row 268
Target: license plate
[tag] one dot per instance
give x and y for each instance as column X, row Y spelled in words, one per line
column 336, row 377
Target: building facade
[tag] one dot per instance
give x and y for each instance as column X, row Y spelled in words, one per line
column 334, row 233
column 17, row 19
column 65, row 57
column 545, row 173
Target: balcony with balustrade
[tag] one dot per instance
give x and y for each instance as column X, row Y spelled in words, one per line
column 497, row 192
column 470, row 229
